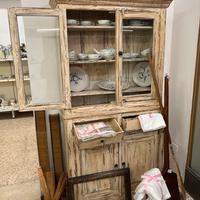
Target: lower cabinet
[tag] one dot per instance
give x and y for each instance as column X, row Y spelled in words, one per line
column 140, row 152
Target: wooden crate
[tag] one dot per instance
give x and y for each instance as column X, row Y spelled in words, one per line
column 139, row 3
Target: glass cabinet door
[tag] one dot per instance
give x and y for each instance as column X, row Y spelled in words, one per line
column 91, row 52
column 37, row 40
column 138, row 44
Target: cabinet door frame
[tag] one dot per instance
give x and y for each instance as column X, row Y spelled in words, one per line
column 157, row 15
column 14, row 33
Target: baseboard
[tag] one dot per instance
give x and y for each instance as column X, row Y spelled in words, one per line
column 192, row 183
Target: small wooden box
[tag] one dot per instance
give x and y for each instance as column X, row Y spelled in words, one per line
column 131, row 124
column 102, row 140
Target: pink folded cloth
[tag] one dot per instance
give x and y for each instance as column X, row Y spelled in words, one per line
column 153, row 185
column 151, row 122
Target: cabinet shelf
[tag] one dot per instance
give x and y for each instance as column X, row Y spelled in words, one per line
column 105, row 28
column 106, row 61
column 11, row 80
column 106, row 92
column 11, row 60
column 8, row 109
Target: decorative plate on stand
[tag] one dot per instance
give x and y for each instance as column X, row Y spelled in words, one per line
column 78, row 79
column 142, row 74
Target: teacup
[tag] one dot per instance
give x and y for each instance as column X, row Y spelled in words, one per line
column 94, row 56
column 72, row 22
column 86, row 23
column 82, row 56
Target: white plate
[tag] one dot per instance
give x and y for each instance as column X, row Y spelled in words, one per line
column 110, row 85
column 142, row 74
column 78, row 79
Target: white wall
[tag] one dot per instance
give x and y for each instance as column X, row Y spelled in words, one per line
column 4, row 28
column 9, row 3
column 181, row 49
column 36, row 3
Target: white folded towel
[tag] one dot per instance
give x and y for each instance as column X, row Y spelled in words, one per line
column 151, row 122
column 153, row 185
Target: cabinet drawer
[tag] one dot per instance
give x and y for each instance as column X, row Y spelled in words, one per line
column 101, row 141
column 131, row 123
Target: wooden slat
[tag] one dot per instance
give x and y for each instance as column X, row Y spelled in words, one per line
column 42, row 140
column 138, row 3
column 50, row 181
column 56, row 144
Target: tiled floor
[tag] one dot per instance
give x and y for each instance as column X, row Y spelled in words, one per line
column 18, row 160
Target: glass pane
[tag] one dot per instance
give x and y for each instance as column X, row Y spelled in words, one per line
column 91, row 43
column 195, row 164
column 137, row 45
column 40, row 52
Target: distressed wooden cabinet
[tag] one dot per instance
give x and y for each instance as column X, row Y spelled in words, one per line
column 53, row 44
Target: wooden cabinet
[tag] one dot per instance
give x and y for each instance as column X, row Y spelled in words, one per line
column 140, row 151
column 87, row 56
column 72, row 68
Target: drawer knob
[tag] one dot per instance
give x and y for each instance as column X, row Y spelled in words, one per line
column 116, row 166
column 123, row 164
column 120, row 53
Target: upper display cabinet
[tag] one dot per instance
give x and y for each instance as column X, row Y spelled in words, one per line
column 82, row 55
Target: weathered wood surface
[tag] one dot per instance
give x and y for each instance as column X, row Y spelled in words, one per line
column 140, row 151
column 129, row 3
column 123, row 172
column 15, row 39
column 111, row 109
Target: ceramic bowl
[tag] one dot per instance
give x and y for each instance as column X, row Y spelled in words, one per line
column 94, row 56
column 86, row 23
column 107, row 54
column 72, row 22
column 104, row 22
column 82, row 56
column 146, row 52
column 130, row 55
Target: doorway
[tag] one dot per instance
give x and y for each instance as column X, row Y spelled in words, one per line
column 192, row 174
